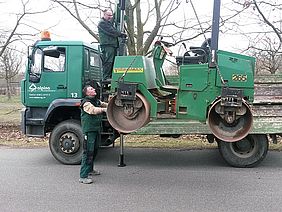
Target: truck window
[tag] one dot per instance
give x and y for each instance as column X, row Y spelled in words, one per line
column 56, row 61
column 94, row 59
column 86, row 59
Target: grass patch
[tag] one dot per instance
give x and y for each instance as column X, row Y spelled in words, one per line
column 10, row 116
column 10, row 110
column 14, row 99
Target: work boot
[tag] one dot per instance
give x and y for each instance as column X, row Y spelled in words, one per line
column 85, row 180
column 94, row 173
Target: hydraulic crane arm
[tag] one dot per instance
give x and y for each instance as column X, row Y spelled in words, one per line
column 215, row 32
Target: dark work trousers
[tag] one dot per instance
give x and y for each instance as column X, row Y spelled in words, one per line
column 90, row 150
column 109, row 53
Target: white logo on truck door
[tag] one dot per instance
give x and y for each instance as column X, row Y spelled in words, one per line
column 33, row 88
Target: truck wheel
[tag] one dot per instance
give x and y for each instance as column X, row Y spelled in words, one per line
column 66, row 142
column 247, row 152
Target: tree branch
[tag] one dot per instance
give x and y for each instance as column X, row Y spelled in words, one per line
column 77, row 17
column 269, row 24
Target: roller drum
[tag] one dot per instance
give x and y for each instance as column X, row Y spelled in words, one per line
column 230, row 124
column 127, row 117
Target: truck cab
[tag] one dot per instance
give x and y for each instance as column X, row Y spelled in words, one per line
column 51, row 92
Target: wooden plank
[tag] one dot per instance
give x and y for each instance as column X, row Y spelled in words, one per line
column 268, row 79
column 267, row 110
column 261, row 125
column 268, row 100
column 268, row 89
column 267, row 125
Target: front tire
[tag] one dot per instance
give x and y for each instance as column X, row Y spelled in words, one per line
column 66, row 142
column 247, row 152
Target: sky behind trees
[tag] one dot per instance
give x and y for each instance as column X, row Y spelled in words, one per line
column 63, row 27
column 243, row 29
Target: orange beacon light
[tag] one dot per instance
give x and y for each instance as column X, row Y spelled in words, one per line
column 45, row 35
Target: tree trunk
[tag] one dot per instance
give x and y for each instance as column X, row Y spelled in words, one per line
column 140, row 32
column 8, row 87
column 130, row 28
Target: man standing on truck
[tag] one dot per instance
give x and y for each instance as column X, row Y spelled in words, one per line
column 91, row 117
column 108, row 35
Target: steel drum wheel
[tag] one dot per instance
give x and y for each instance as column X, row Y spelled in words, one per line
column 127, row 120
column 230, row 133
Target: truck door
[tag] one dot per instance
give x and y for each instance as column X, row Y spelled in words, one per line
column 47, row 78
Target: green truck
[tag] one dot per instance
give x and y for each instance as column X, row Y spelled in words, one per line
column 214, row 94
column 57, row 71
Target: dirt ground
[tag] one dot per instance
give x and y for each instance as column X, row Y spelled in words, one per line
column 11, row 136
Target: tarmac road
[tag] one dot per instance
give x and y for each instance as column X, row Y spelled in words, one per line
column 153, row 180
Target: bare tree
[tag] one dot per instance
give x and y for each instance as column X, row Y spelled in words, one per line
column 143, row 26
column 8, row 37
column 73, row 8
column 264, row 33
column 10, row 65
column 10, row 57
column 268, row 57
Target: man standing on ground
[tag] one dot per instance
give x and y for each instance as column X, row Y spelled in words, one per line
column 108, row 35
column 91, row 117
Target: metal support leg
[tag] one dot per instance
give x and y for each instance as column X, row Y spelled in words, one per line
column 274, row 138
column 121, row 155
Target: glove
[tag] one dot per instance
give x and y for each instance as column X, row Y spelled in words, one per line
column 104, row 110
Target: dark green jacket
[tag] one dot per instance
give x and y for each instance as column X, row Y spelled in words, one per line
column 108, row 34
column 90, row 122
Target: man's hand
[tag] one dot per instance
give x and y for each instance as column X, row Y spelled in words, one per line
column 123, row 35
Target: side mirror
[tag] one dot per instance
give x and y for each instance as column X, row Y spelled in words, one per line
column 34, row 78
column 35, row 65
